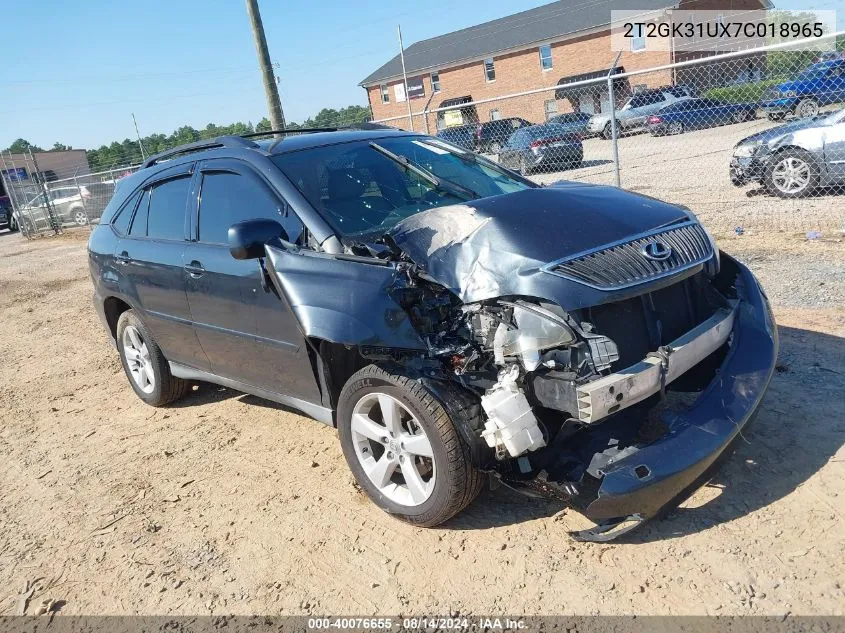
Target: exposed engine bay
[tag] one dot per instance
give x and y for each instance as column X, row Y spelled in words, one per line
column 572, row 363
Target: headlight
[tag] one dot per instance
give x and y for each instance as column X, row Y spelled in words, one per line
column 537, row 329
column 747, row 150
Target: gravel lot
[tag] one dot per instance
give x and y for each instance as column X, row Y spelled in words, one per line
column 692, row 169
column 225, row 503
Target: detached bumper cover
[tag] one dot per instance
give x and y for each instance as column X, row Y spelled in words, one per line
column 638, row 486
column 745, row 170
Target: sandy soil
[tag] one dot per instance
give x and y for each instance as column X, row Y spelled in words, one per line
column 228, row 504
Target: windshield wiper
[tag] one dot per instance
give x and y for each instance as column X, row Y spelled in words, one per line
column 422, row 172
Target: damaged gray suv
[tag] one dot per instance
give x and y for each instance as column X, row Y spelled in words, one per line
column 454, row 321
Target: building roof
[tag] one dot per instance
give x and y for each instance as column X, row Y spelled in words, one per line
column 548, row 22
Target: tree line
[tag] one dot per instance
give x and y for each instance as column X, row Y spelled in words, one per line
column 128, row 152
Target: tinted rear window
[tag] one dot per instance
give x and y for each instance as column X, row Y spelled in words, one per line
column 167, row 209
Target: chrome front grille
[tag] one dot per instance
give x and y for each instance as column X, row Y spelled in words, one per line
column 626, row 263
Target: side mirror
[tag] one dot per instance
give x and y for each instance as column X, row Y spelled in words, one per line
column 247, row 239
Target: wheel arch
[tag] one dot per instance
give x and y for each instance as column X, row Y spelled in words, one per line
column 113, row 307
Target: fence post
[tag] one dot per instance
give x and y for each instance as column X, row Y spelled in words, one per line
column 81, row 197
column 613, row 131
column 51, row 212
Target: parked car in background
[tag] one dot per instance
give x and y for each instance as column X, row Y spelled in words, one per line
column 634, row 113
column 694, row 114
column 99, row 195
column 453, row 320
column 7, row 221
column 817, row 85
column 575, row 122
column 795, row 159
column 460, row 135
column 492, row 135
column 540, row 147
column 68, row 204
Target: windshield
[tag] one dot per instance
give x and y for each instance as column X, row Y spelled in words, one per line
column 361, row 188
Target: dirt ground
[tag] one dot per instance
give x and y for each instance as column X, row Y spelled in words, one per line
column 225, row 503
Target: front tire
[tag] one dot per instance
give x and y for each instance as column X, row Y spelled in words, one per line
column 403, row 448
column 806, row 108
column 495, row 148
column 146, row 367
column 792, row 174
column 13, row 224
column 80, row 218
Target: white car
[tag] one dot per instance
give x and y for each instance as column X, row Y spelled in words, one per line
column 68, row 204
column 634, row 114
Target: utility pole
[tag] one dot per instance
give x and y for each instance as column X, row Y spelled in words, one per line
column 271, row 90
column 138, row 134
column 405, row 77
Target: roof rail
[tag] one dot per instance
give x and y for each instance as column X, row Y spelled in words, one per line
column 198, row 146
column 290, row 131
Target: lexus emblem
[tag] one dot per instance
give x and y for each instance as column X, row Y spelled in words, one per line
column 657, row 251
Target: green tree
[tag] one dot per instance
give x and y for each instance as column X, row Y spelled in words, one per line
column 60, row 147
column 22, row 145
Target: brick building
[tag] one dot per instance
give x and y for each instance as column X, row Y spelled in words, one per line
column 557, row 43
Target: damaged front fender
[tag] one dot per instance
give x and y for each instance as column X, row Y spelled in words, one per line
column 348, row 301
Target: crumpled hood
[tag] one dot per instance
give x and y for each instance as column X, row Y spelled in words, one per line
column 781, row 130
column 495, row 246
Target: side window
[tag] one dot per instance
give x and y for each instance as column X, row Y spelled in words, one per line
column 228, row 198
column 139, row 223
column 124, row 216
column 167, row 209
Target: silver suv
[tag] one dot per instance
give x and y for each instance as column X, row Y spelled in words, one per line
column 635, row 112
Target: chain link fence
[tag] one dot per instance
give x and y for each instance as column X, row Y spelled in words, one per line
column 750, row 141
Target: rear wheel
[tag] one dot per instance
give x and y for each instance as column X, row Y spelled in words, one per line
column 13, row 224
column 607, row 133
column 792, row 174
column 403, row 448
column 776, row 116
column 145, row 365
column 495, row 147
column 676, row 127
column 739, row 116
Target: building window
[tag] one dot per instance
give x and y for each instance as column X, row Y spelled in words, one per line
column 551, row 108
column 546, row 57
column 495, row 115
column 489, row 69
column 435, row 82
column 385, row 95
column 638, row 39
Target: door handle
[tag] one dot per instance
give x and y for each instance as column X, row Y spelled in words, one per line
column 123, row 258
column 195, row 269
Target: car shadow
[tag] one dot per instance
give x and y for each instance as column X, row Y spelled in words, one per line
column 798, row 429
column 207, row 393
column 821, row 192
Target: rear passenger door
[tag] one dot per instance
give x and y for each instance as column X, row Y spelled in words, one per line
column 149, row 261
column 248, row 334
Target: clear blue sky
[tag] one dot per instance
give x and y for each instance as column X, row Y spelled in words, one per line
column 74, row 71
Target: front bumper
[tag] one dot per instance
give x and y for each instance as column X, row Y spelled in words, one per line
column 745, row 170
column 782, row 105
column 638, row 485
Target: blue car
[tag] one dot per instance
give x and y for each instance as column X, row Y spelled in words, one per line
column 692, row 114
column 820, row 84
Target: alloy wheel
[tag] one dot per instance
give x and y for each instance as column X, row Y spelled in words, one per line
column 791, row 175
column 676, row 127
column 80, row 217
column 393, row 449
column 138, row 359
column 495, row 147
column 807, row 108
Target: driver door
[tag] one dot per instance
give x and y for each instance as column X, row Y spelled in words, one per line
column 248, row 334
